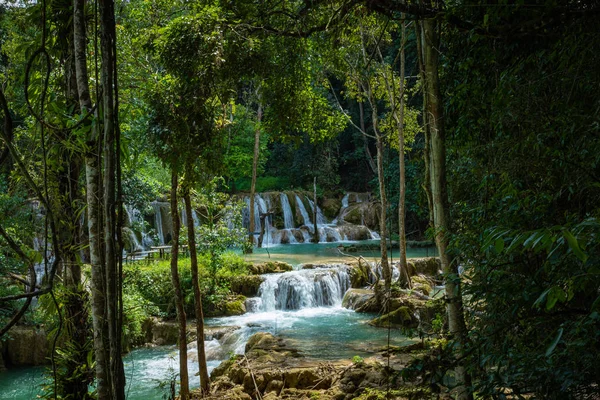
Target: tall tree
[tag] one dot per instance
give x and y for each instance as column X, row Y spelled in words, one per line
column 441, row 214
column 111, row 152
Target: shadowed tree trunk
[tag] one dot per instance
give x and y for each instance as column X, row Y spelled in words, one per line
column 181, row 318
column 426, row 134
column 204, row 378
column 113, row 289
column 94, row 208
column 441, row 213
column 254, row 173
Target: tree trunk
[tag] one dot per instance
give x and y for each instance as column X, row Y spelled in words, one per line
column 456, row 319
column 420, row 38
column 182, row 342
column 385, row 266
column 254, row 172
column 361, row 111
column 94, row 209
column 316, row 238
column 402, row 168
column 204, row 378
column 107, row 38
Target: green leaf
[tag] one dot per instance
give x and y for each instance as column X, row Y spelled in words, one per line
column 499, row 245
column 554, row 342
column 574, row 245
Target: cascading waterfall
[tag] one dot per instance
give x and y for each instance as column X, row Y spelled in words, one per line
column 296, row 290
column 158, row 224
column 288, row 218
column 288, row 233
column 321, row 220
column 303, row 211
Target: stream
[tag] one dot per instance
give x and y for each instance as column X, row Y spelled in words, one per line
column 302, row 306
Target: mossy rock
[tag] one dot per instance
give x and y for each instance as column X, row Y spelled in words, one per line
column 359, row 274
column 246, row 285
column 331, row 207
column 353, row 216
column 429, row 266
column 233, row 305
column 422, row 284
column 269, row 267
column 402, row 317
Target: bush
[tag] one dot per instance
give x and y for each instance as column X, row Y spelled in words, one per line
column 149, row 287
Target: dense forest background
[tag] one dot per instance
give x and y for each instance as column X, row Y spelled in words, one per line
column 494, row 106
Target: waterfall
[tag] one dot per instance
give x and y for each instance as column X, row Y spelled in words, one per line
column 303, row 211
column 158, row 223
column 321, row 220
column 296, row 290
column 345, row 201
column 335, row 231
column 288, row 217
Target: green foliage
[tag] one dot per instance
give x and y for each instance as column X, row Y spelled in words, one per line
column 263, row 184
column 358, row 360
column 240, row 150
column 148, row 290
column 525, row 195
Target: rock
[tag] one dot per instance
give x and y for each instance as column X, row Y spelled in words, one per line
column 235, row 306
column 26, row 345
column 269, row 267
column 422, row 284
column 331, row 207
column 246, row 285
column 362, row 375
column 354, row 232
column 366, row 213
column 217, row 332
column 430, row 266
column 274, row 386
column 162, row 333
column 359, row 274
column 401, row 317
column 359, row 299
column 262, row 341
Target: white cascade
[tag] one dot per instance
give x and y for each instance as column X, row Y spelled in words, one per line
column 321, row 220
column 296, row 290
column 288, row 217
column 158, row 223
column 303, row 211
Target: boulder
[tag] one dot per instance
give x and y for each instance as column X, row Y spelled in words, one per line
column 161, row 332
column 359, row 274
column 246, row 285
column 360, row 299
column 331, row 207
column 27, row 345
column 354, row 232
column 269, row 267
column 366, row 213
column 430, row 266
column 402, row 317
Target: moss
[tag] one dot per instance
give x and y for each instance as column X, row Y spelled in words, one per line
column 269, row 267
column 331, row 207
column 421, row 284
column 353, row 216
column 235, row 307
column 402, row 317
column 246, row 285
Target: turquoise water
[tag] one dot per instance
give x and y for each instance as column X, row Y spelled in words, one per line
column 323, row 252
column 324, row 333
column 147, row 371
